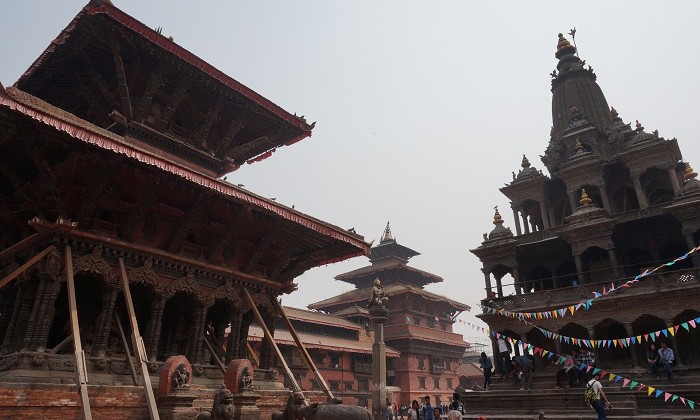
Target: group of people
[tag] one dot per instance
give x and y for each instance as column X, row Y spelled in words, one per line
column 426, row 411
column 662, row 357
column 571, row 367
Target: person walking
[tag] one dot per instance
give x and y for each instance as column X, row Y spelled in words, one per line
column 486, row 365
column 596, row 401
column 504, row 355
column 413, row 411
column 428, row 410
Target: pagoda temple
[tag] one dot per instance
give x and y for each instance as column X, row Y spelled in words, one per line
column 419, row 322
column 618, row 201
column 113, row 145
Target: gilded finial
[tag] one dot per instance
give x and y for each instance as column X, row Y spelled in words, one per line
column 525, row 163
column 579, row 146
column 497, row 219
column 564, row 46
column 387, row 236
column 689, row 172
column 585, row 199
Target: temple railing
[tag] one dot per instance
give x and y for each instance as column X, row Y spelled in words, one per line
column 656, row 282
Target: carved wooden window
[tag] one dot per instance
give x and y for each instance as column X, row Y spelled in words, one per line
column 363, row 384
column 436, row 383
column 421, row 382
column 449, row 383
column 348, row 385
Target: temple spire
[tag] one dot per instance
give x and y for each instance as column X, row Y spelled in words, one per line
column 387, row 236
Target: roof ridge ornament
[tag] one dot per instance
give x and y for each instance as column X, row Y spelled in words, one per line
column 387, row 236
column 585, row 199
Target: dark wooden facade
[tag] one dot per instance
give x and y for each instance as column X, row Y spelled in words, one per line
column 113, row 143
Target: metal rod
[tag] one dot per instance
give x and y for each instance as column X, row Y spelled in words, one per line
column 35, row 259
column 139, row 348
column 305, row 354
column 271, row 339
column 80, row 370
column 126, row 349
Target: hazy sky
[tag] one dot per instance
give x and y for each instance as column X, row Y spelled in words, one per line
column 423, row 108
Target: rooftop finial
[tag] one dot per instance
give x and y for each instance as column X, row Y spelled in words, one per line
column 497, row 219
column 585, row 199
column 689, row 172
column 579, row 146
column 525, row 164
column 564, row 47
column 387, row 236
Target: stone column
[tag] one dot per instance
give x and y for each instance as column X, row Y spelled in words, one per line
column 604, row 197
column 594, row 350
column 572, row 199
column 525, row 222
column 499, row 286
column 379, row 315
column 674, row 179
column 104, row 321
column 641, row 198
column 579, row 269
column 517, row 222
column 516, row 280
column 487, row 282
column 695, row 256
column 613, row 261
column 155, row 321
column 543, row 212
column 633, row 347
column 553, row 221
column 672, row 339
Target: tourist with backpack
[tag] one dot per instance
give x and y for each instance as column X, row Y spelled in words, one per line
column 594, row 396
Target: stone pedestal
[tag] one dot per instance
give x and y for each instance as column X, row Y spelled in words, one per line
column 177, row 405
column 246, row 405
column 175, row 397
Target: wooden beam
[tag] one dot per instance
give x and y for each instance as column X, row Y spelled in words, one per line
column 139, row 347
column 80, row 369
column 61, row 345
column 19, row 245
column 252, row 354
column 35, row 259
column 271, row 339
column 206, row 337
column 122, row 84
column 305, row 354
column 129, row 360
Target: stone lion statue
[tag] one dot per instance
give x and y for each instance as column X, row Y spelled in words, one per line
column 332, row 410
column 222, row 409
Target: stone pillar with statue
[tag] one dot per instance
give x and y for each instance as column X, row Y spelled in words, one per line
column 378, row 314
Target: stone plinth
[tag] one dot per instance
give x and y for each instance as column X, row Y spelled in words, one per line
column 175, row 402
column 246, row 405
column 165, row 380
column 234, row 374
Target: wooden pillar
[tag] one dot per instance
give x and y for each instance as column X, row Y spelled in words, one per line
column 233, row 340
column 29, row 330
column 194, row 350
column 20, row 312
column 266, row 351
column 155, row 321
column 104, row 321
column 243, row 336
column 6, row 310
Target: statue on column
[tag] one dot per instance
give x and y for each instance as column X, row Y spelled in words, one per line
column 378, row 299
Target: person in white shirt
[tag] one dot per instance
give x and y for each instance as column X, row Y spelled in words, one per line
column 503, row 356
column 598, row 404
column 413, row 411
column 667, row 359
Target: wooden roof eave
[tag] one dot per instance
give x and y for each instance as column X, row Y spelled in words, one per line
column 62, row 121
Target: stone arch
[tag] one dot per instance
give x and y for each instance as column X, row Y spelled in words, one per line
column 641, row 326
column 538, row 278
column 501, row 272
column 559, row 205
column 671, row 250
column 657, row 187
column 566, row 274
column 531, row 209
column 597, row 266
column 619, row 183
column 611, row 357
column 688, row 340
column 593, row 193
column 537, row 339
column 573, row 330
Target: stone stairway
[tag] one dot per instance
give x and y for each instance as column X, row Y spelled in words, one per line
column 504, row 400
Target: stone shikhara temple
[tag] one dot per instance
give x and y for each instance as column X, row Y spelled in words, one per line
column 112, row 148
column 618, row 200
